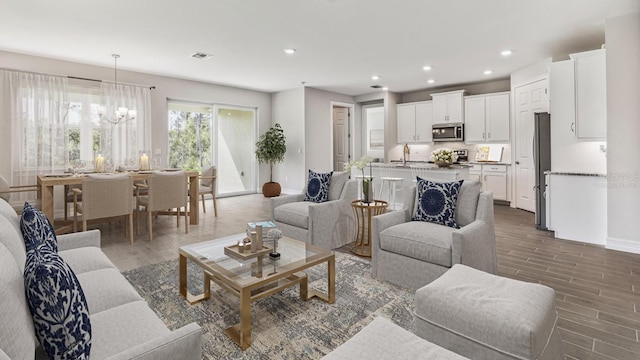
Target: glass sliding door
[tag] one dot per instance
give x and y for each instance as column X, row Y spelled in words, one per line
column 235, row 149
column 190, row 126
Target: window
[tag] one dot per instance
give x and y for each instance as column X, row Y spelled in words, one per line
column 189, row 136
column 85, row 134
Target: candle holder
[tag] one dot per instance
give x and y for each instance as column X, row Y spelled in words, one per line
column 144, row 161
column 98, row 163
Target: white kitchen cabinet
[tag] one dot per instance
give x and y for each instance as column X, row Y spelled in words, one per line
column 591, row 94
column 414, row 122
column 494, row 179
column 448, row 107
column 486, row 118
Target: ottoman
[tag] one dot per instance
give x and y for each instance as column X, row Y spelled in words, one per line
column 382, row 339
column 485, row 316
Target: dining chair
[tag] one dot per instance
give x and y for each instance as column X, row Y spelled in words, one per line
column 165, row 190
column 208, row 186
column 6, row 190
column 104, row 196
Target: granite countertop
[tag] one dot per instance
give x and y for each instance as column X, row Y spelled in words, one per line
column 548, row 172
column 430, row 166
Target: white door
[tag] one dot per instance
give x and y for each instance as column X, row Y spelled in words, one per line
column 530, row 99
column 340, row 138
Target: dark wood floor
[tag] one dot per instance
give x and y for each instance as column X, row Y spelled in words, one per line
column 597, row 290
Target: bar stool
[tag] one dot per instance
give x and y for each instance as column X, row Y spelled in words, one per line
column 387, row 177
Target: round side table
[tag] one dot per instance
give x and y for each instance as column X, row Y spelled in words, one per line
column 363, row 211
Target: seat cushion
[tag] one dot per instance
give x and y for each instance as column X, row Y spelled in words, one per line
column 318, row 186
column 85, row 259
column 420, row 240
column 18, row 339
column 10, row 214
column 123, row 327
column 12, row 240
column 58, row 306
column 512, row 316
column 338, row 179
column 105, row 289
column 467, row 202
column 295, row 214
column 382, row 339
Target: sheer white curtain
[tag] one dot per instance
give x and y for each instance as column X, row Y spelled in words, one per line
column 34, row 110
column 126, row 140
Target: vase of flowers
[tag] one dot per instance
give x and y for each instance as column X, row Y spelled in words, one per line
column 443, row 157
column 367, row 182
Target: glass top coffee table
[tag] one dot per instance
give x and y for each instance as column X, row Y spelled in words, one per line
column 256, row 278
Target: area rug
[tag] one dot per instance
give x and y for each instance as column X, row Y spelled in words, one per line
column 284, row 326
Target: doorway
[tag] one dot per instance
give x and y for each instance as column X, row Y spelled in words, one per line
column 529, row 99
column 341, row 115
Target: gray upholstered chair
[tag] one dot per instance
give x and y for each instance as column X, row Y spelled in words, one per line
column 414, row 253
column 103, row 197
column 6, row 190
column 208, row 186
column 328, row 225
column 165, row 190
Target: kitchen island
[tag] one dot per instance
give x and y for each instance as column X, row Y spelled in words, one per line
column 408, row 173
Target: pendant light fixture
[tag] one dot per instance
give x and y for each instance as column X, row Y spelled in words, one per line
column 121, row 114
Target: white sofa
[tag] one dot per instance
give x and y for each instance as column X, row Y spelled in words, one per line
column 123, row 326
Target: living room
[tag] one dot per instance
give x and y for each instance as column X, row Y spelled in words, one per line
column 302, row 103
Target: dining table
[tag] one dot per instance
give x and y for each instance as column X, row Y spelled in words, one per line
column 47, row 183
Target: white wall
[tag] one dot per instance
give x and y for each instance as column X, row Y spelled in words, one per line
column 319, row 127
column 166, row 88
column 288, row 111
column 470, row 89
column 623, row 132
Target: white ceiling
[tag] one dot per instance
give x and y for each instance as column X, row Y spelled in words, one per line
column 340, row 43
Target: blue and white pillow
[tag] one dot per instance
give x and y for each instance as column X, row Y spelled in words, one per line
column 436, row 202
column 318, row 187
column 37, row 229
column 58, row 305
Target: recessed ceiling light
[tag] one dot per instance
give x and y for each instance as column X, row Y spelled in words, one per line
column 426, row 68
column 488, row 72
column 290, row 51
column 505, row 52
column 385, row 88
column 431, row 81
column 375, row 77
column 201, row 56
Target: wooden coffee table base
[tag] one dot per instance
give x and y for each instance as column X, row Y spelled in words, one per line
column 240, row 333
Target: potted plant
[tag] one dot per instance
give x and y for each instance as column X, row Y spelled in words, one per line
column 271, row 149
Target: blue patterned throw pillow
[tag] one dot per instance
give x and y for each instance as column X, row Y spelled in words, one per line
column 37, row 229
column 436, row 202
column 58, row 305
column 318, row 187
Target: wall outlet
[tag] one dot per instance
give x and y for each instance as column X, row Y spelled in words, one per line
column 286, row 178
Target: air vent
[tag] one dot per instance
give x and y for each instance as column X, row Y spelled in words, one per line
column 376, row 86
column 201, row 56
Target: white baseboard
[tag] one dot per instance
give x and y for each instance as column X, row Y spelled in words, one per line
column 626, row 245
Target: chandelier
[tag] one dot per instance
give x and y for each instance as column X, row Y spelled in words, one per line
column 121, row 114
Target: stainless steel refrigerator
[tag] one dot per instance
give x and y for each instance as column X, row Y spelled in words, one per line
column 542, row 163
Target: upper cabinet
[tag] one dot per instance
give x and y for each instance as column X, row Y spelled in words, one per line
column 414, row 122
column 486, row 118
column 448, row 107
column 590, row 94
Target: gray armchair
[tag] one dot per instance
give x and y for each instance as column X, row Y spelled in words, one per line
column 328, row 225
column 414, row 253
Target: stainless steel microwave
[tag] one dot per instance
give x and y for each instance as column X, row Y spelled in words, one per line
column 448, row 132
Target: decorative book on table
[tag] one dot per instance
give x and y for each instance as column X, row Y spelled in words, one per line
column 265, row 225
